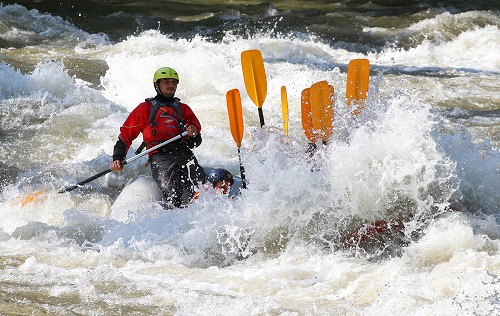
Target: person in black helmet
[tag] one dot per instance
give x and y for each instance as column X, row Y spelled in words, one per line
column 223, row 182
column 173, row 166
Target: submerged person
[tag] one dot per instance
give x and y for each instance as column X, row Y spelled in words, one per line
column 173, row 166
column 223, row 182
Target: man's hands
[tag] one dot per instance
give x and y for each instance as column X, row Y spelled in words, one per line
column 192, row 131
column 116, row 165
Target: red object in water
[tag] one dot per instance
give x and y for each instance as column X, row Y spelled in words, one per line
column 375, row 228
column 195, row 196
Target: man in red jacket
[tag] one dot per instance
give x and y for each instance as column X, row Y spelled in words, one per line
column 173, row 166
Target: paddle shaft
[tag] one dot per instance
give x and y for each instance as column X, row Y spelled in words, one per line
column 261, row 117
column 124, row 162
column 242, row 171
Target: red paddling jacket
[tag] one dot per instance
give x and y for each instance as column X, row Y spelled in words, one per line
column 158, row 119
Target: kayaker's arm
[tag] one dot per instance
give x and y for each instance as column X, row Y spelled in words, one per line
column 119, row 154
column 193, row 142
column 120, row 150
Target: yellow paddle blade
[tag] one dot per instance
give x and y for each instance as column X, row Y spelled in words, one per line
column 254, row 75
column 305, row 109
column 33, row 197
column 322, row 109
column 284, row 109
column 358, row 79
column 233, row 100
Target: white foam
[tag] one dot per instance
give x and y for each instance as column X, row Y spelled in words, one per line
column 188, row 259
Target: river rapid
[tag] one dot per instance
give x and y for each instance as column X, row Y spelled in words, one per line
column 399, row 213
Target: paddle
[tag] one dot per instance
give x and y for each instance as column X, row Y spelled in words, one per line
column 305, row 110
column 358, row 79
column 254, row 75
column 321, row 96
column 284, row 109
column 233, row 100
column 35, row 195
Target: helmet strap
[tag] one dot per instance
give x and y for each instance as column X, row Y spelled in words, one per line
column 157, row 88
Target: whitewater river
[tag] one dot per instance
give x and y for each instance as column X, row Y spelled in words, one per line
column 422, row 160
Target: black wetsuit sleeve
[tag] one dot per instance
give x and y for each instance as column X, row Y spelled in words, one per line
column 193, row 142
column 120, row 150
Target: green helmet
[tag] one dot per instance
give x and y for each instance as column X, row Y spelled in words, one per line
column 167, row 73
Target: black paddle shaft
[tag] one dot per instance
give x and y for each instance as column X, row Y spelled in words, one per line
column 242, row 171
column 124, row 162
column 79, row 184
column 261, row 117
column 74, row 186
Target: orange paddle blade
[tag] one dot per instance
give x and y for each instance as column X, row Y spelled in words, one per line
column 35, row 196
column 254, row 75
column 358, row 79
column 233, row 100
column 284, row 109
column 305, row 109
column 322, row 109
